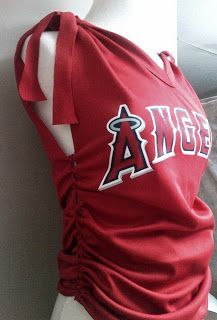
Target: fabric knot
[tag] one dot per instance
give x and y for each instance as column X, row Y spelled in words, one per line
column 29, row 87
column 168, row 54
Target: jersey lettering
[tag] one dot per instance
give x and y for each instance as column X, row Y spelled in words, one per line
column 187, row 131
column 205, row 135
column 164, row 139
column 128, row 150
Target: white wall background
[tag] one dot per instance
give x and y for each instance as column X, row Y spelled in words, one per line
column 30, row 216
column 197, row 25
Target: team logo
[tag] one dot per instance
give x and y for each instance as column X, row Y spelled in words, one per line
column 126, row 142
column 128, row 149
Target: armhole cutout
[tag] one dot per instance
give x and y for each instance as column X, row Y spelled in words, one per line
column 62, row 133
column 27, row 77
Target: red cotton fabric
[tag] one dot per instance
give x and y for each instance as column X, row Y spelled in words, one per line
column 137, row 240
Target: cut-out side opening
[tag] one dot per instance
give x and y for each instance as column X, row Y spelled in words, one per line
column 62, row 133
column 52, row 147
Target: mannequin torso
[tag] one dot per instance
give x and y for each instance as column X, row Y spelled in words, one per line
column 113, row 15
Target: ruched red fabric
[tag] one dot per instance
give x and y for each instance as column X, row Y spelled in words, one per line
column 136, row 238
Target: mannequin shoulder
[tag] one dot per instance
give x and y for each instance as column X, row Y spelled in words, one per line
column 47, row 49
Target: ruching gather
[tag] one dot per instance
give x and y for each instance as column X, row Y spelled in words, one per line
column 70, row 257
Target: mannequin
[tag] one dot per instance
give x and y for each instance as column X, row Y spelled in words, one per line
column 113, row 15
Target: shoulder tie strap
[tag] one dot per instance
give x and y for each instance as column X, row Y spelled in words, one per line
column 168, row 54
column 28, row 84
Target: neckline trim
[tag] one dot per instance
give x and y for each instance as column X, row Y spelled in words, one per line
column 166, row 74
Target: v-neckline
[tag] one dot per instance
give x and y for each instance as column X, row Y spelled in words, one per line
column 166, row 74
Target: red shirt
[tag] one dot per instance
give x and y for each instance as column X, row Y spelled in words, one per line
column 137, row 240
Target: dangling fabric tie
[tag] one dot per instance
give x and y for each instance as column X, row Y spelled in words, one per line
column 29, row 87
column 170, row 74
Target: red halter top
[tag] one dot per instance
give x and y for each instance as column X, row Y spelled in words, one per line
column 137, row 240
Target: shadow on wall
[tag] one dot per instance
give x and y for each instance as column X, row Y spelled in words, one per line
column 208, row 186
column 30, row 215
